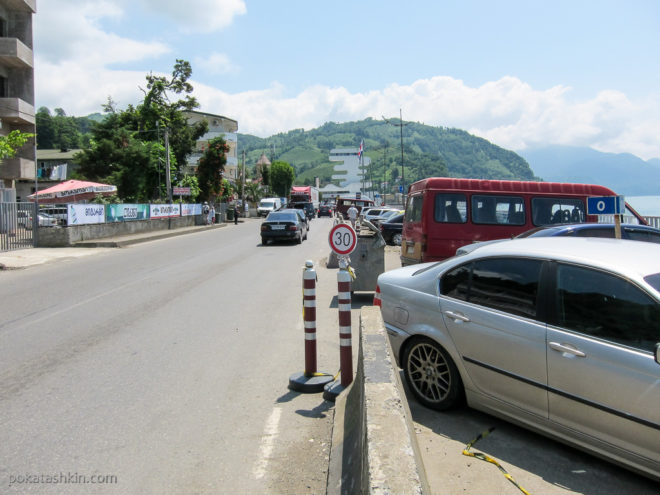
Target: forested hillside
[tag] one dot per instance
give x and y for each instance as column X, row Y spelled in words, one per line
column 427, row 151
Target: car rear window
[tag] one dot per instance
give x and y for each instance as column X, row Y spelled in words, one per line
column 282, row 216
column 654, row 281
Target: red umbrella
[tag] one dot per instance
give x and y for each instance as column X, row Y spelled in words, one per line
column 72, row 191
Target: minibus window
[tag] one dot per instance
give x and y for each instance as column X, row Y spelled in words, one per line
column 414, row 209
column 547, row 211
column 450, row 208
column 500, row 210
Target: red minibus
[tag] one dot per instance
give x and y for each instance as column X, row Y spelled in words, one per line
column 443, row 214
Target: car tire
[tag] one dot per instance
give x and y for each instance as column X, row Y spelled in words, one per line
column 264, row 241
column 432, row 375
column 299, row 239
column 396, row 239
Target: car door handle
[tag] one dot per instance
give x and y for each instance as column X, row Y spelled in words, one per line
column 569, row 349
column 457, row 316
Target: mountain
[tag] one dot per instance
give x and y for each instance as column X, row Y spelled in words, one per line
column 624, row 173
column 428, row 151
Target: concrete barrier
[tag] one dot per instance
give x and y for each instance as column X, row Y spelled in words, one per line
column 374, row 447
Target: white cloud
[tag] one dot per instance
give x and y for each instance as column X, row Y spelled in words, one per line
column 198, row 15
column 215, row 63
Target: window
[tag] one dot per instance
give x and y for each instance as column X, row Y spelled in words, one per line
column 450, row 208
column 643, row 235
column 501, row 210
column 414, row 208
column 608, row 307
column 505, row 284
column 557, row 210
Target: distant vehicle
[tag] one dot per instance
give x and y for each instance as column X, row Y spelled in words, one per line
column 443, row 214
column 268, row 205
column 304, row 194
column 283, row 225
column 391, row 229
column 384, row 215
column 325, row 210
column 373, row 212
column 60, row 212
column 556, row 334
column 632, row 232
column 45, row 220
column 307, row 207
column 343, row 204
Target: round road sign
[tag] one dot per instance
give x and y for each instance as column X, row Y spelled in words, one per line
column 343, row 239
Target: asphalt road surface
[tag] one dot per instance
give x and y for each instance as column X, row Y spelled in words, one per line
column 163, row 368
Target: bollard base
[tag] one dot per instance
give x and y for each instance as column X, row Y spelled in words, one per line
column 332, row 390
column 300, row 382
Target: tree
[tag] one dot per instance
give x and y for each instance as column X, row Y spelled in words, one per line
column 210, row 169
column 10, row 143
column 281, row 178
column 126, row 147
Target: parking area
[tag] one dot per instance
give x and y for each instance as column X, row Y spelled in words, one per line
column 538, row 464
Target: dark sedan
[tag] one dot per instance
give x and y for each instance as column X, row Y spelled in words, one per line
column 283, row 225
column 325, row 211
column 307, row 207
column 391, row 230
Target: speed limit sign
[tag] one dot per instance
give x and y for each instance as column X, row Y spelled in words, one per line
column 343, row 239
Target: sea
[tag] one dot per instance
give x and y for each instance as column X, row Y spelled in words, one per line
column 647, row 206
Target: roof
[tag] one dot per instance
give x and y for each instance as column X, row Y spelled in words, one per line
column 617, row 255
column 511, row 186
column 56, row 154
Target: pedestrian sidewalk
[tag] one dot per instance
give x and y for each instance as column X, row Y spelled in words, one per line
column 23, row 258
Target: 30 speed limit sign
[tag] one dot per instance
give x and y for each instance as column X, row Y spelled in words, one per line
column 343, row 239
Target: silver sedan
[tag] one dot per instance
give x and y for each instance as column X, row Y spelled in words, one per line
column 560, row 335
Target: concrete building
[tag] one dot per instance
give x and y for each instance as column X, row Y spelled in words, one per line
column 219, row 126
column 351, row 179
column 55, row 166
column 17, row 92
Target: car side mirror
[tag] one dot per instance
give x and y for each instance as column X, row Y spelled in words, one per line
column 657, row 353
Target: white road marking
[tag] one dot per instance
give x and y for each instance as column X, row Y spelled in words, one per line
column 267, row 442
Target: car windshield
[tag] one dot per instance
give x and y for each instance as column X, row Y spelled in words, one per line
column 266, row 204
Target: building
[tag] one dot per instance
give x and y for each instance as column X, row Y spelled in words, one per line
column 219, row 126
column 55, row 165
column 352, row 180
column 17, row 92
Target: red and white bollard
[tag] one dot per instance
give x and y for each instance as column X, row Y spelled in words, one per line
column 309, row 381
column 309, row 317
column 332, row 390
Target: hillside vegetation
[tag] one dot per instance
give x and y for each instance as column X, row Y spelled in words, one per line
column 427, row 152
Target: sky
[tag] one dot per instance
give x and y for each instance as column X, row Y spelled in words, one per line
column 520, row 73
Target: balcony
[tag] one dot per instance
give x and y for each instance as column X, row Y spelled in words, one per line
column 16, row 168
column 13, row 53
column 16, row 111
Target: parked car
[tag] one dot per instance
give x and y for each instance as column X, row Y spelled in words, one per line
column 283, row 225
column 24, row 217
column 628, row 231
column 307, row 207
column 45, row 220
column 557, row 334
column 59, row 212
column 325, row 211
column 384, row 216
column 391, row 229
column 371, row 214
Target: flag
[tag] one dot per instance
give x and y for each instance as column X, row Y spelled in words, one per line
column 361, row 149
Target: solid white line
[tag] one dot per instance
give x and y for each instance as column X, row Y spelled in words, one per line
column 267, row 443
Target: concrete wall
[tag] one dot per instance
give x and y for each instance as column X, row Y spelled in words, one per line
column 374, row 447
column 68, row 236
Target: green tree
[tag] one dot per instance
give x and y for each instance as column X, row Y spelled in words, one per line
column 210, row 169
column 126, row 148
column 281, row 178
column 10, row 143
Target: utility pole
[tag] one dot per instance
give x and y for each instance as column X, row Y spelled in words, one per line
column 158, row 141
column 168, row 179
column 243, row 183
column 400, row 126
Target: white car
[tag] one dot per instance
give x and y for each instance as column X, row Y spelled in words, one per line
column 558, row 334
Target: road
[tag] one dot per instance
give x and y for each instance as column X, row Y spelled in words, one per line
column 163, row 368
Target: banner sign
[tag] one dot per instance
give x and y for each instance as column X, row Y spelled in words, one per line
column 181, row 191
column 126, row 212
column 188, row 210
column 165, row 211
column 85, row 214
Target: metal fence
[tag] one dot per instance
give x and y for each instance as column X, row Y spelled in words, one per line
column 17, row 227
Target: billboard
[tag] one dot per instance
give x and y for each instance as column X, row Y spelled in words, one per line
column 126, row 212
column 85, row 214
